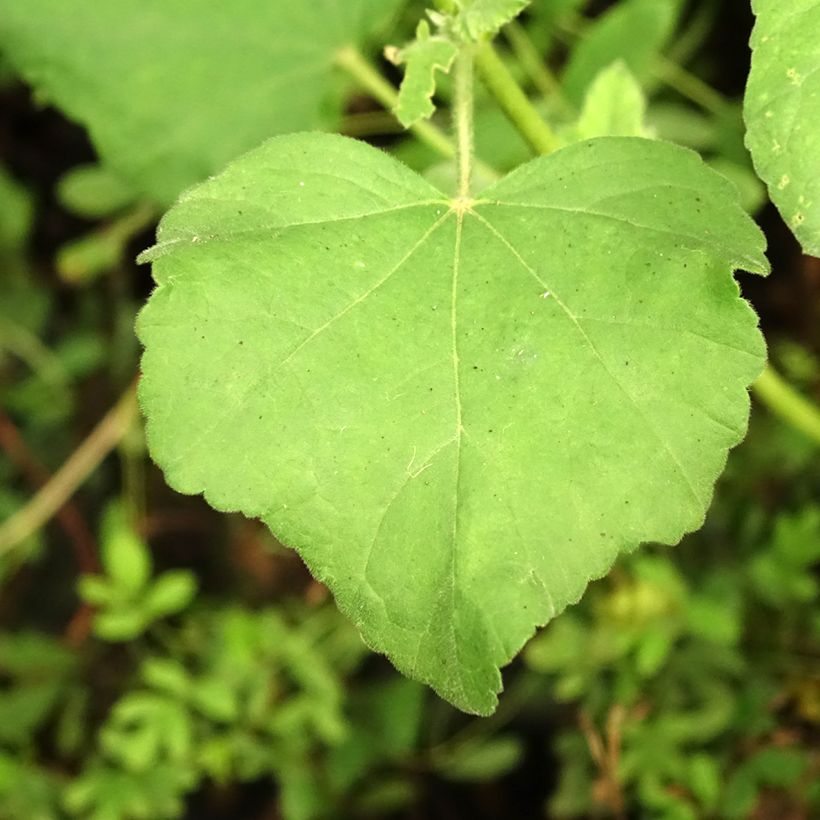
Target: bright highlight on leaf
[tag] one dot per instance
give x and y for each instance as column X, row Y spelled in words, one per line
column 172, row 90
column 457, row 411
column 782, row 111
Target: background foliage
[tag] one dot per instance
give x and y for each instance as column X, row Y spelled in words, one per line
column 158, row 660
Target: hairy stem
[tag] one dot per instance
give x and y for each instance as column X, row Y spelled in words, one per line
column 463, row 118
column 64, row 483
column 513, row 101
column 784, row 401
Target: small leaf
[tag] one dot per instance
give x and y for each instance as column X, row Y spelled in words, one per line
column 423, row 58
column 171, row 593
column 125, row 556
column 458, row 413
column 614, row 106
column 483, row 18
column 93, row 192
column 97, row 590
column 633, row 31
column 480, row 760
column 117, row 625
column 84, row 259
column 782, row 111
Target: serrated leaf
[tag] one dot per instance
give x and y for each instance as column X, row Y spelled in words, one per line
column 782, row 111
column 171, row 91
column 483, row 18
column 458, row 412
column 633, row 31
column 614, row 106
column 422, row 59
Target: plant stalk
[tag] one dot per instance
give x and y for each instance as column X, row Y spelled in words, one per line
column 65, row 482
column 533, row 63
column 463, row 118
column 784, row 401
column 369, row 78
column 513, row 101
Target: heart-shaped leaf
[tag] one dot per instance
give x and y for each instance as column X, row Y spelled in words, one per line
column 459, row 412
column 172, row 90
column 782, row 111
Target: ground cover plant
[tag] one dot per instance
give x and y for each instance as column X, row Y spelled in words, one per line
column 447, row 300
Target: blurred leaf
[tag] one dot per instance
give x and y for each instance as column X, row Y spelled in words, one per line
column 105, row 793
column 614, row 105
column 480, row 760
column 170, row 593
column 26, row 792
column 633, row 31
column 147, row 76
column 120, row 624
column 93, row 192
column 125, row 556
column 16, row 215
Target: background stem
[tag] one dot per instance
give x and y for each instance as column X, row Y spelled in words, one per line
column 82, row 462
column 513, row 101
column 371, row 80
column 784, row 401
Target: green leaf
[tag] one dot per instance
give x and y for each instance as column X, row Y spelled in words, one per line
column 458, row 412
column 633, row 31
column 483, row 18
column 480, row 760
column 614, row 106
column 782, row 111
column 125, row 557
column 120, row 624
column 171, row 593
column 16, row 215
column 171, row 91
column 93, row 191
column 423, row 58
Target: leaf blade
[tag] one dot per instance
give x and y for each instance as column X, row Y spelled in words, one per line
column 447, row 411
column 781, row 109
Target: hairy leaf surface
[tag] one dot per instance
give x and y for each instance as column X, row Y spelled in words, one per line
column 172, row 90
column 457, row 411
column 782, row 111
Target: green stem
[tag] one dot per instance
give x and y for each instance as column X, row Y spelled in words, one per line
column 463, row 118
column 63, row 484
column 784, row 401
column 688, row 85
column 369, row 78
column 531, row 61
column 513, row 101
column 667, row 71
